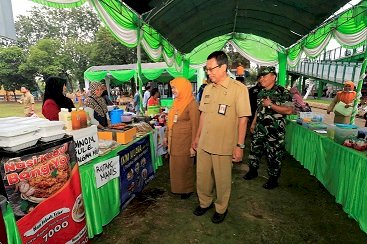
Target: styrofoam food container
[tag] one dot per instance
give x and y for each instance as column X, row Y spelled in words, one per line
column 22, row 145
column 47, row 128
column 15, row 134
column 12, row 120
column 53, row 136
column 17, row 145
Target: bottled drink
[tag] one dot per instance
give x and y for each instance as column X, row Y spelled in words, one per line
column 75, row 119
column 65, row 116
column 83, row 118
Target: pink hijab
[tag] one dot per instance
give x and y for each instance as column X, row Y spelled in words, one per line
column 297, row 96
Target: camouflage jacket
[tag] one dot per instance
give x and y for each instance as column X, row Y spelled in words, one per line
column 279, row 96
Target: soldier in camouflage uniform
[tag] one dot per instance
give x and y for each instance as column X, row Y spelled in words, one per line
column 268, row 127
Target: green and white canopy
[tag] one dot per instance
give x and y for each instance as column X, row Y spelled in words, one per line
column 183, row 33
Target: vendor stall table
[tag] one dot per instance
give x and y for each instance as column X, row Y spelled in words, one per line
column 342, row 170
column 101, row 204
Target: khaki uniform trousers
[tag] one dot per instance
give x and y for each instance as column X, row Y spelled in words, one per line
column 213, row 169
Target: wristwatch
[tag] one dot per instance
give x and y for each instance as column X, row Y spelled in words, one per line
column 269, row 106
column 242, row 146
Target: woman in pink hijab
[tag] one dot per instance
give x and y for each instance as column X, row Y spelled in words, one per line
column 299, row 104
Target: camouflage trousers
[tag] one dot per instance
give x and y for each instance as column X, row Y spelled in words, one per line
column 268, row 141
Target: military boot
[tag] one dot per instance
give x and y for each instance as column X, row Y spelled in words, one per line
column 251, row 174
column 271, row 183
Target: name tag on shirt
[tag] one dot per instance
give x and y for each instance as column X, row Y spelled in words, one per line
column 175, row 117
column 222, row 109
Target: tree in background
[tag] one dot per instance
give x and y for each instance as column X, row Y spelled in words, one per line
column 63, row 24
column 107, row 50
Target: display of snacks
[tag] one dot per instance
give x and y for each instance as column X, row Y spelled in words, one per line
column 143, row 127
column 124, row 136
column 357, row 144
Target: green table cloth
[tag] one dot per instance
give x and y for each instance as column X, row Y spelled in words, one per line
column 101, row 204
column 342, row 170
column 11, row 227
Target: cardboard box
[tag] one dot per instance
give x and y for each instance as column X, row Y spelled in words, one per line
column 121, row 136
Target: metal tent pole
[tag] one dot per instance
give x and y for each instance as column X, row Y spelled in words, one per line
column 359, row 88
column 138, row 68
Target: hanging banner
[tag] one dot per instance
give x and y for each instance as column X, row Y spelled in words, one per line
column 43, row 189
column 106, row 171
column 136, row 169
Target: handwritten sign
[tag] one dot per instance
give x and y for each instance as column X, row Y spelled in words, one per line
column 106, row 171
column 86, row 144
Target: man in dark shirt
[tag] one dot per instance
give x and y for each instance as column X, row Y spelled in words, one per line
column 253, row 91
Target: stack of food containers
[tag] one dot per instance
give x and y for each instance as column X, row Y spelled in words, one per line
column 15, row 137
column 18, row 133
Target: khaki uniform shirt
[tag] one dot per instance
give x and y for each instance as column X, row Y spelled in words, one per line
column 222, row 105
column 27, row 100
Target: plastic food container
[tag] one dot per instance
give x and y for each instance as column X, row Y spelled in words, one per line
column 53, row 136
column 11, row 135
column 22, row 145
column 126, row 118
column 344, row 131
column 46, row 128
column 331, row 131
column 115, row 116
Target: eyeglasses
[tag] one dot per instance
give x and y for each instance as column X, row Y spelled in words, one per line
column 268, row 70
column 210, row 69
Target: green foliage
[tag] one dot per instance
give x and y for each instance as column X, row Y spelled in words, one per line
column 11, row 77
column 62, row 24
column 44, row 59
column 107, row 50
column 252, row 78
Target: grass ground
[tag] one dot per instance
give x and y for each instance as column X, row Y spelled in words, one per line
column 323, row 101
column 8, row 109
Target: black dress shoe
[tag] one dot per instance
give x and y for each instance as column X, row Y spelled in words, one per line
column 251, row 174
column 186, row 195
column 271, row 183
column 218, row 218
column 200, row 211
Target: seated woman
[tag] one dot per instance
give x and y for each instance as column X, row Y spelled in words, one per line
column 96, row 105
column 54, row 98
column 154, row 98
column 346, row 96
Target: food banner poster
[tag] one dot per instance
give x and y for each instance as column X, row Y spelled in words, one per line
column 136, row 169
column 3, row 238
column 43, row 189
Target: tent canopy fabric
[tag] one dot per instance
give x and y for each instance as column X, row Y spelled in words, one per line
column 191, row 22
column 185, row 32
column 124, row 73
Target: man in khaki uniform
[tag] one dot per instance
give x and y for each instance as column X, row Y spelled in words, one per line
column 220, row 139
column 28, row 101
